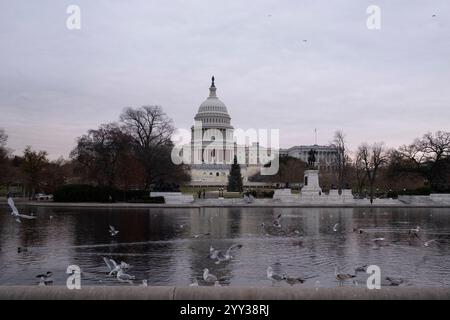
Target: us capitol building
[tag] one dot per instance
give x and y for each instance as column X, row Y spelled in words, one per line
column 213, row 147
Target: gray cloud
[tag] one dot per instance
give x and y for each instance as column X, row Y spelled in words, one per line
column 389, row 85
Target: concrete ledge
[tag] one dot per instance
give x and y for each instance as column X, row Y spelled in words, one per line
column 219, row 293
column 85, row 293
column 231, row 203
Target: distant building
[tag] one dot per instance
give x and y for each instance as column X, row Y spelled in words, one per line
column 326, row 155
column 213, row 147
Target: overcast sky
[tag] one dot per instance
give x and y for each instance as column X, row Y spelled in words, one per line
column 390, row 85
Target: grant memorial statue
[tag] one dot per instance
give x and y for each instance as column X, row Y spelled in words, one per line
column 311, row 185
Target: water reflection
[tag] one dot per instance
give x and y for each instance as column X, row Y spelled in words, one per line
column 160, row 246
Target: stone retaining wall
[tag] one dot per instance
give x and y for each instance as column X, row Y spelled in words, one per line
column 174, row 197
column 218, row 293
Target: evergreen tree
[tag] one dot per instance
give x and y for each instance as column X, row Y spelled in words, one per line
column 235, row 177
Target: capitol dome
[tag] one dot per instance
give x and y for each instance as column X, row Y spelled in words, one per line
column 212, row 112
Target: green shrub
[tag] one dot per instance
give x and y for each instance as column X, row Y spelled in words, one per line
column 424, row 191
column 88, row 193
column 148, row 199
column 85, row 193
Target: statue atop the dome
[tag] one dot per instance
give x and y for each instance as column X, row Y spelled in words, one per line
column 212, row 83
column 312, row 157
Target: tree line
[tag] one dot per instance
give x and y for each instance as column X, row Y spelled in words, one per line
column 132, row 153
column 421, row 166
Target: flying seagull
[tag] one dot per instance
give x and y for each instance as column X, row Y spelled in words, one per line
column 220, row 256
column 112, row 266
column 112, row 231
column 15, row 213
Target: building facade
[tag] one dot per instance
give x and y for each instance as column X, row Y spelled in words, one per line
column 213, row 147
column 326, row 156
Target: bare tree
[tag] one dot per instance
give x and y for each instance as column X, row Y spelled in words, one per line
column 148, row 125
column 428, row 156
column 372, row 158
column 151, row 130
column 339, row 143
column 98, row 152
column 3, row 138
column 360, row 172
column 3, row 158
column 33, row 165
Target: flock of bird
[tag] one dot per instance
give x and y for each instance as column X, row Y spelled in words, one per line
column 219, row 256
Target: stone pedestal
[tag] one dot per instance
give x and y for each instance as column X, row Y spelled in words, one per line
column 311, row 183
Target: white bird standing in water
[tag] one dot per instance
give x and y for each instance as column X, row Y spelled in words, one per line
column 273, row 276
column 335, row 227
